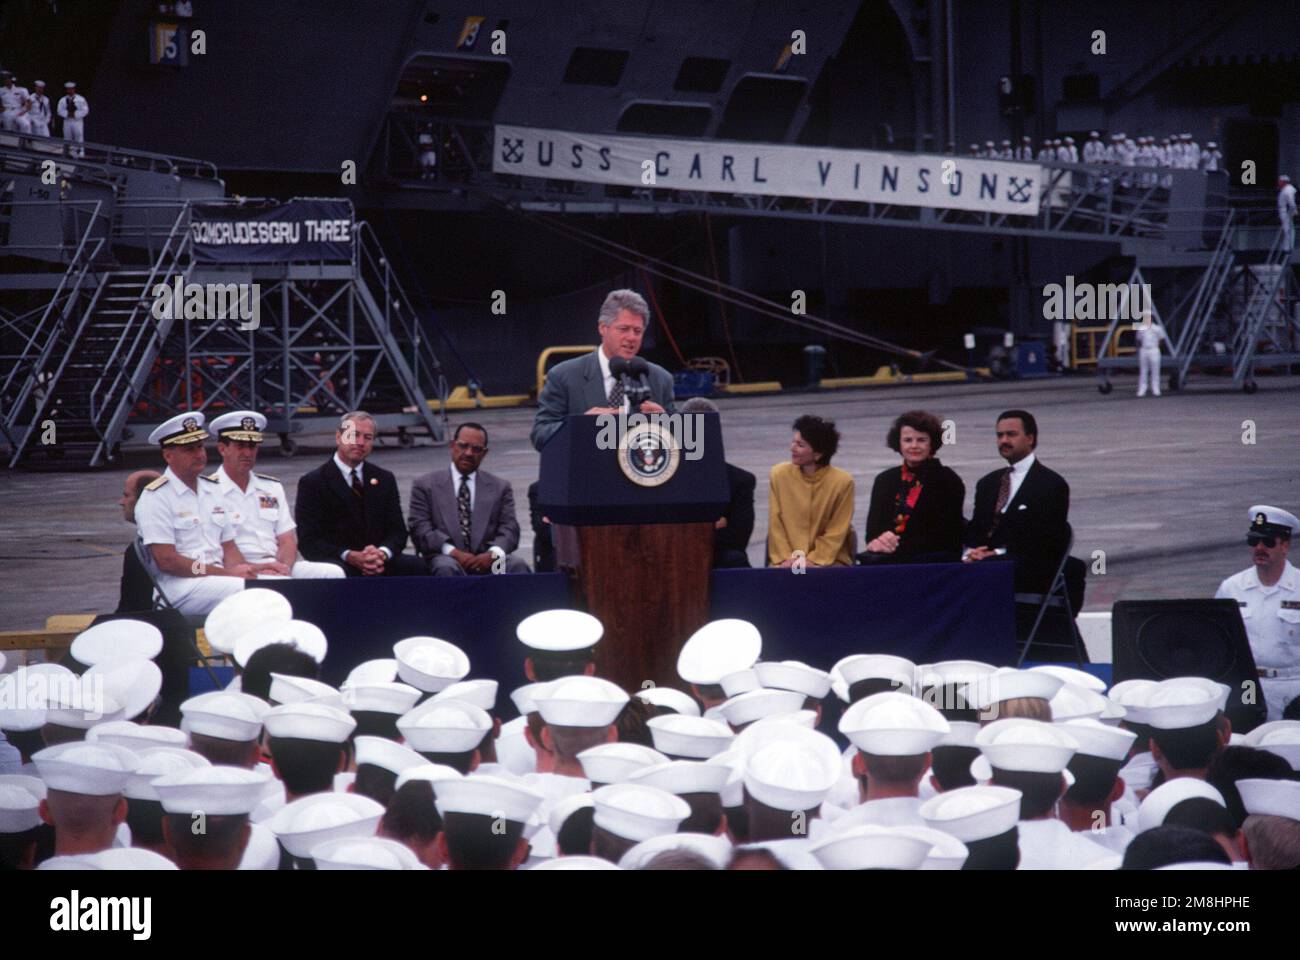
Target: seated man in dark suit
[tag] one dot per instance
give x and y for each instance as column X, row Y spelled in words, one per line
column 1022, row 511
column 463, row 518
column 733, row 529
column 586, row 384
column 349, row 511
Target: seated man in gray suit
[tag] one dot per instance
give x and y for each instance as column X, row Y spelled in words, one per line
column 584, row 385
column 463, row 518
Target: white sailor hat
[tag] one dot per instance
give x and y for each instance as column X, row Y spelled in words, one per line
column 680, row 777
column 160, row 762
column 289, row 688
column 224, row 715
column 718, row 648
column 1010, row 684
column 637, row 812
column 181, row 429
column 481, row 693
column 1196, row 865
column 1211, row 144
column 377, row 696
column 973, row 813
column 428, row 772
column 669, row 699
column 1075, row 702
column 1097, row 739
column 716, row 850
column 678, row 735
column 383, row 670
column 1112, row 713
column 388, row 754
column 132, row 681
column 616, row 762
column 562, row 809
column 245, row 425
column 522, row 697
column 488, row 796
column 1281, row 737
column 1272, row 521
column 793, row 675
column 68, row 86
column 309, row 721
column 757, row 704
column 961, row 733
column 788, row 767
column 875, row 666
column 114, row 858
column 117, row 639
column 305, row 636
column 1153, row 810
column 952, row 672
column 1180, row 703
column 1131, row 695
column 559, row 631
column 893, row 725
column 576, row 863
column 241, row 612
column 306, row 823
column 83, row 706
column 20, row 802
column 1270, row 798
column 871, row 847
column 220, row 791
column 1029, row 746
column 1080, row 678
column 430, row 664
column 449, row 727
column 580, row 701
column 739, row 681
column 140, row 738
column 946, row 851
column 25, row 693
column 365, row 853
column 93, row 769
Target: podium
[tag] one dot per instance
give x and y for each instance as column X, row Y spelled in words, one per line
column 632, row 502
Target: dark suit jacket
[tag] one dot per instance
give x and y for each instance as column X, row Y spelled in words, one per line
column 936, row 524
column 435, row 518
column 575, row 386
column 136, row 590
column 1034, row 528
column 740, row 514
column 331, row 519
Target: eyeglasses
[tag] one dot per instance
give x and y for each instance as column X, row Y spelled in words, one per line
column 1255, row 539
column 471, row 447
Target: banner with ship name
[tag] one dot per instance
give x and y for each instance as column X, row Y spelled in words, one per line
column 770, row 169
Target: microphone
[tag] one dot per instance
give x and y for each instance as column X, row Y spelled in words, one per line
column 639, row 391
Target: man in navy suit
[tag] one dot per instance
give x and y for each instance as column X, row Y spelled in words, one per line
column 463, row 518
column 349, row 511
column 1022, row 510
column 585, row 385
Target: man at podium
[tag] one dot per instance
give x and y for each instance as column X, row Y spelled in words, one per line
column 588, row 385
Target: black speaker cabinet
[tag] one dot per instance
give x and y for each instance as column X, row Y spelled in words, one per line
column 1158, row 639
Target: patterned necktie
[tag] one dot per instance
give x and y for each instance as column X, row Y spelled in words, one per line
column 357, row 489
column 1004, row 494
column 616, row 393
column 462, row 507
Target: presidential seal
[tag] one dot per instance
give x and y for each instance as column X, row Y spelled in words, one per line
column 649, row 454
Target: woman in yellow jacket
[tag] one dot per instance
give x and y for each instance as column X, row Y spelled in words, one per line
column 810, row 507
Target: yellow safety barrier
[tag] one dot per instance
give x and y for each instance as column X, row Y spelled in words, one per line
column 461, row 399
column 552, row 351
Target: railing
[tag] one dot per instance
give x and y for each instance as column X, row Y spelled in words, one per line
column 107, row 154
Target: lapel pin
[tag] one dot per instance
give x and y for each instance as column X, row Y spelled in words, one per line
column 374, row 481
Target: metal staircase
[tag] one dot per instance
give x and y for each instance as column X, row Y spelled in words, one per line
column 1209, row 292
column 96, row 362
column 1265, row 318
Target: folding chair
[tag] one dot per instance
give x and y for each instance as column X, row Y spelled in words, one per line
column 1056, row 597
column 195, row 622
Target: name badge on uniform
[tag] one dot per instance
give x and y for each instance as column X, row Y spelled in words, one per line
column 1291, row 604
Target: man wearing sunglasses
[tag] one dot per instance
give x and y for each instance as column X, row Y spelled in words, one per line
column 1268, row 594
column 463, row 518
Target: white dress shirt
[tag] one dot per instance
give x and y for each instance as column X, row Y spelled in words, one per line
column 448, row 546
column 607, row 377
column 347, row 482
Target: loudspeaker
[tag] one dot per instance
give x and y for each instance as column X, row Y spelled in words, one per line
column 1158, row 639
